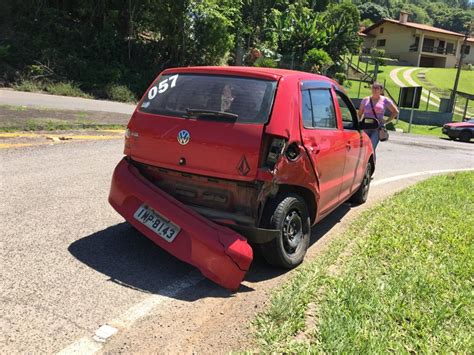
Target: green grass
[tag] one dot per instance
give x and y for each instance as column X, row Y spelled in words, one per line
column 444, row 79
column 58, row 125
column 441, row 78
column 28, row 86
column 66, row 89
column 420, row 129
column 404, row 283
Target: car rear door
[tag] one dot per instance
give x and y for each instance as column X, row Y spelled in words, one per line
column 323, row 141
column 354, row 166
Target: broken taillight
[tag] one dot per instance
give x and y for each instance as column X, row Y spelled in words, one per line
column 277, row 145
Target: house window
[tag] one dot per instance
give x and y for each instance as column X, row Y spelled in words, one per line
column 449, row 48
column 466, row 49
column 381, row 43
column 381, row 29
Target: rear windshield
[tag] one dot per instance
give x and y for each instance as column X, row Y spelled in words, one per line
column 177, row 94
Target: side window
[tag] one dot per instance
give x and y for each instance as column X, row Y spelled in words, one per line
column 348, row 113
column 306, row 109
column 322, row 107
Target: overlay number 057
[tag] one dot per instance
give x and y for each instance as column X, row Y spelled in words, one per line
column 163, row 86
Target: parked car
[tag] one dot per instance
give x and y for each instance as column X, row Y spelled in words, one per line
column 464, row 131
column 221, row 158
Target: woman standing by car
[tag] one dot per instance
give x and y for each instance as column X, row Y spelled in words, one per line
column 374, row 106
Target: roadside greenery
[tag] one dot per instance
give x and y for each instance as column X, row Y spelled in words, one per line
column 423, row 130
column 84, row 47
column 399, row 280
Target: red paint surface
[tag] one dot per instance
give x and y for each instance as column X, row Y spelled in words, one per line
column 219, row 253
column 460, row 124
column 330, row 166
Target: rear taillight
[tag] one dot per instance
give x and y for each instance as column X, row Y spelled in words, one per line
column 277, row 145
column 126, row 149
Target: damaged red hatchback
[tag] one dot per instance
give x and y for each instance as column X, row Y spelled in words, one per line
column 221, row 158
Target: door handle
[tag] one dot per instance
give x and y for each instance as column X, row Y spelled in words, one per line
column 314, row 149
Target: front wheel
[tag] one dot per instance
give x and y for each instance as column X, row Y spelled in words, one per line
column 465, row 136
column 362, row 193
column 289, row 214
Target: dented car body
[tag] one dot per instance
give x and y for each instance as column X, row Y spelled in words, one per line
column 221, row 158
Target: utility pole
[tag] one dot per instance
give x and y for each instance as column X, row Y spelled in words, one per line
column 458, row 73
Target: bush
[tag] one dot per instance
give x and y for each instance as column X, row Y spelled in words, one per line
column 317, row 60
column 469, row 67
column 265, row 62
column 340, row 78
column 66, row 89
column 27, row 85
column 120, row 93
column 377, row 56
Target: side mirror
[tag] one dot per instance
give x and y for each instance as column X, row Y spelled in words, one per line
column 369, row 123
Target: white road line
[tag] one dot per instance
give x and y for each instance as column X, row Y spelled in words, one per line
column 421, row 173
column 409, row 79
column 92, row 344
column 393, row 76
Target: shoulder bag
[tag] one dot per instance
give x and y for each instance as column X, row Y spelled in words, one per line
column 383, row 133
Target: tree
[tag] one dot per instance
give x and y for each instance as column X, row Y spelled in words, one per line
column 453, row 19
column 373, row 12
column 342, row 25
column 417, row 14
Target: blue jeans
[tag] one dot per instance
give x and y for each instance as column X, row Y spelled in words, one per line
column 374, row 137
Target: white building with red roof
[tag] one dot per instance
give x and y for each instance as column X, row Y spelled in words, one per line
column 417, row 44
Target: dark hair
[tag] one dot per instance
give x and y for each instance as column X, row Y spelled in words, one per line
column 377, row 85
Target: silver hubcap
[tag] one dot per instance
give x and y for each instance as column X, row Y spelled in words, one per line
column 292, row 232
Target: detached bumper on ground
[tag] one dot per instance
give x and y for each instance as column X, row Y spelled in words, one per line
column 221, row 254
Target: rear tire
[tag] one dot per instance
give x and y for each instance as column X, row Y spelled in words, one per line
column 362, row 193
column 465, row 136
column 289, row 214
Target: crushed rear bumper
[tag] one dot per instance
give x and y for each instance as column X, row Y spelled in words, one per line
column 221, row 254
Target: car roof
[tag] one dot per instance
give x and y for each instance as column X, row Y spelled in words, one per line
column 259, row 72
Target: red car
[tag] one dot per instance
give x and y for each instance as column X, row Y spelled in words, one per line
column 462, row 130
column 221, row 158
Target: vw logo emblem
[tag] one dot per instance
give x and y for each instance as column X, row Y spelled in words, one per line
column 183, row 137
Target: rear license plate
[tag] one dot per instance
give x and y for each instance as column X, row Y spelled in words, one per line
column 157, row 223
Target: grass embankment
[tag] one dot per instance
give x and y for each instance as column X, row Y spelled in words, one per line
column 21, row 118
column 113, row 92
column 399, row 280
column 443, row 78
column 420, row 129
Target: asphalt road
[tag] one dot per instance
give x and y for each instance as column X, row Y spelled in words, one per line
column 70, row 264
column 19, row 98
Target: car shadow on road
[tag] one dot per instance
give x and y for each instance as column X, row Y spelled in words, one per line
column 131, row 260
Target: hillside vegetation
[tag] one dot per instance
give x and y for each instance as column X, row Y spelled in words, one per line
column 115, row 48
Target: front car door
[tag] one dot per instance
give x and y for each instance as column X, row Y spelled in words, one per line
column 354, row 166
column 323, row 141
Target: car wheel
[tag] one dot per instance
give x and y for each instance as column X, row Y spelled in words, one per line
column 289, row 214
column 465, row 136
column 362, row 193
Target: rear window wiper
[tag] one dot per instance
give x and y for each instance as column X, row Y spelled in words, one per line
column 191, row 112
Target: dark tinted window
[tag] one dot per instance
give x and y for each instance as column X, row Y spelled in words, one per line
column 307, row 112
column 348, row 113
column 173, row 95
